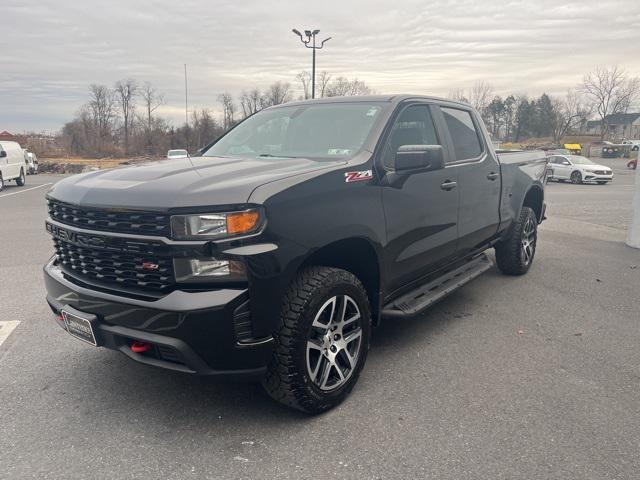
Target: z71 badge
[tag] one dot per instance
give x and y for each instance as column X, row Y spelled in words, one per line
column 358, row 176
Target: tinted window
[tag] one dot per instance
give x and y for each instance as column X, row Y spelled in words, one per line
column 466, row 143
column 414, row 126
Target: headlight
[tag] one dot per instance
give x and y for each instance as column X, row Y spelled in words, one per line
column 202, row 270
column 215, row 225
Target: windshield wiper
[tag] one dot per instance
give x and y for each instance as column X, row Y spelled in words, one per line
column 268, row 155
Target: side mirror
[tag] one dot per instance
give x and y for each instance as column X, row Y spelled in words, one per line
column 3, row 154
column 419, row 158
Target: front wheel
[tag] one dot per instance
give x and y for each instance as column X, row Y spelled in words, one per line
column 576, row 178
column 514, row 255
column 21, row 180
column 1, row 182
column 321, row 342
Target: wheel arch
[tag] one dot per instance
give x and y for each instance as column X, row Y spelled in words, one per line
column 358, row 256
column 534, row 199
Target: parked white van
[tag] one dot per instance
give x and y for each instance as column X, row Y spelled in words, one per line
column 31, row 162
column 12, row 165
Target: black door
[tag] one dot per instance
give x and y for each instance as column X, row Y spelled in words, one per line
column 479, row 181
column 421, row 209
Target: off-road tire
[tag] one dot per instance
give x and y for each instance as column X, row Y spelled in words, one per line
column 287, row 379
column 509, row 253
column 21, row 180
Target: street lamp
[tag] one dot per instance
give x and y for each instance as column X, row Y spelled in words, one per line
column 309, row 37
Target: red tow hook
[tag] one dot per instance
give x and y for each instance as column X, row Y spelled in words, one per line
column 140, row 347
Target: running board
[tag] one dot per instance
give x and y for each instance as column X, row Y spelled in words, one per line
column 426, row 295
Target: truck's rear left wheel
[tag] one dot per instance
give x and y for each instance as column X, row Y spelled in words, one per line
column 322, row 340
column 514, row 255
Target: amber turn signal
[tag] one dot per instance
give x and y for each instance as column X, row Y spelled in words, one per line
column 242, row 222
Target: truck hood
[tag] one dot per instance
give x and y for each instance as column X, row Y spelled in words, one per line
column 187, row 182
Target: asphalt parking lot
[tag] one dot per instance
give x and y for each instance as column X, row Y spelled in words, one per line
column 529, row 377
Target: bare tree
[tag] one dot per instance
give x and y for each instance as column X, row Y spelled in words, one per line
column 458, row 95
column 304, row 78
column 321, row 83
column 152, row 101
column 126, row 91
column 277, row 94
column 481, row 95
column 204, row 127
column 610, row 91
column 101, row 111
column 251, row 102
column 342, row 86
column 569, row 113
column 228, row 110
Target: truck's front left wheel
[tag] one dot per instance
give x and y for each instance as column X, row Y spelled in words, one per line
column 322, row 340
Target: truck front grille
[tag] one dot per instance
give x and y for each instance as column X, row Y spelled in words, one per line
column 110, row 220
column 141, row 271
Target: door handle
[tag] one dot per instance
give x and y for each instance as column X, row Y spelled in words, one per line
column 493, row 175
column 449, row 185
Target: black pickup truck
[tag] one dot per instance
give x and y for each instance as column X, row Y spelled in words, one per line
column 272, row 254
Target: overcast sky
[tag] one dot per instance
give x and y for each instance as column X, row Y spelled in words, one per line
column 52, row 50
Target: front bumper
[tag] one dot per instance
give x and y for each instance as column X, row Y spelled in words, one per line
column 192, row 332
column 594, row 177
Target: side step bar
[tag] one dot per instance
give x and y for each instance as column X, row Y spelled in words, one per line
column 426, row 295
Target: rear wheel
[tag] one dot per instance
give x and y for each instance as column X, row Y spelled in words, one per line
column 576, row 177
column 21, row 180
column 321, row 342
column 1, row 182
column 514, row 255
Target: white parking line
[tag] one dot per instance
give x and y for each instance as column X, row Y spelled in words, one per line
column 6, row 328
column 23, row 191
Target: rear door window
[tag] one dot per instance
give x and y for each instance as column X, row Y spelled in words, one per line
column 465, row 138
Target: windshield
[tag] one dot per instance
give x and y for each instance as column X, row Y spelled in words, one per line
column 581, row 161
column 317, row 131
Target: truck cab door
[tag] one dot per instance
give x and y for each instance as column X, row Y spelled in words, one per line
column 421, row 207
column 479, row 178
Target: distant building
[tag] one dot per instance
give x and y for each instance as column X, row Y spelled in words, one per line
column 7, row 137
column 621, row 126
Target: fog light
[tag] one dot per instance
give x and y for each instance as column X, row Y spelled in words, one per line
column 208, row 270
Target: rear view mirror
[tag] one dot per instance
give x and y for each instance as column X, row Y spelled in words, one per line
column 411, row 158
column 3, row 154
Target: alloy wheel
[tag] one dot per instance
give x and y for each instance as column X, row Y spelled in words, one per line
column 334, row 343
column 576, row 177
column 528, row 241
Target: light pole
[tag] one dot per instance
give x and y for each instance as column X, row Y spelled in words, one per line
column 310, row 38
